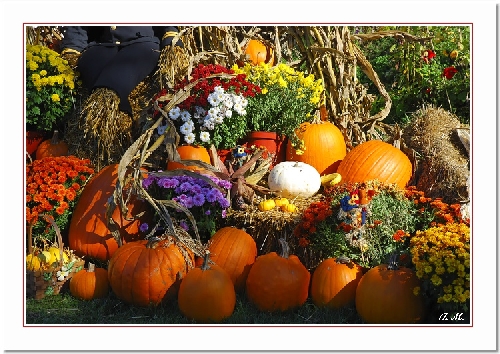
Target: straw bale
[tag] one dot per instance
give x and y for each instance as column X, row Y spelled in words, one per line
column 443, row 164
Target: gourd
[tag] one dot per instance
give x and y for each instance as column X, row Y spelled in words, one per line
column 278, row 282
column 52, row 147
column 289, row 208
column 144, row 273
column 55, row 253
column 291, row 179
column 190, row 152
column 385, row 295
column 32, row 262
column 257, row 52
column 324, row 143
column 334, row 283
column 89, row 234
column 91, row 283
column 206, row 293
column 235, row 251
column 266, row 205
column 279, row 202
column 375, row 159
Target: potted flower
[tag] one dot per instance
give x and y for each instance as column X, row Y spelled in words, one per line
column 288, row 98
column 215, row 111
column 50, row 84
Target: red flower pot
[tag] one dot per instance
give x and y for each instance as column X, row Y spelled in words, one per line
column 275, row 144
column 33, row 139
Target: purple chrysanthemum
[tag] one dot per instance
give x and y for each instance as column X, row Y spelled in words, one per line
column 199, row 199
column 144, row 227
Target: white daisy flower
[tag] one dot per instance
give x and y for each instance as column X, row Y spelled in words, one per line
column 189, row 138
column 213, row 112
column 174, row 113
column 186, row 128
column 213, row 99
column 220, row 119
column 218, row 89
column 205, row 136
column 228, row 114
column 238, row 108
column 244, row 102
column 185, row 116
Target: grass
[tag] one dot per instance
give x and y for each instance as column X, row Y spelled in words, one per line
column 65, row 309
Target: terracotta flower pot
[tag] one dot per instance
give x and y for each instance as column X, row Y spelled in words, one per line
column 274, row 144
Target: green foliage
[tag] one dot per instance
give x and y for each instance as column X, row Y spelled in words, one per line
column 411, row 80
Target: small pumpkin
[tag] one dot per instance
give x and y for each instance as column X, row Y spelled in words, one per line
column 55, row 253
column 278, row 282
column 267, row 204
column 334, row 283
column 324, row 143
column 289, row 208
column 258, row 52
column 190, row 152
column 281, row 202
column 91, row 283
column 52, row 147
column 292, row 179
column 385, row 295
column 144, row 273
column 206, row 293
column 235, row 251
column 376, row 159
column 32, row 262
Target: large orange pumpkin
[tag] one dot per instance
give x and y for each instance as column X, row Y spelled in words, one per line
column 334, row 284
column 89, row 234
column 235, row 251
column 325, row 146
column 257, row 52
column 52, row 147
column 385, row 295
column 190, row 152
column 277, row 282
column 375, row 159
column 144, row 273
column 206, row 293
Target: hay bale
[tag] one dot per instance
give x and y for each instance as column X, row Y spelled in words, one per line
column 443, row 164
column 267, row 227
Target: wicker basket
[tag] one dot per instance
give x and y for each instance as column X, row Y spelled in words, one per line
column 45, row 282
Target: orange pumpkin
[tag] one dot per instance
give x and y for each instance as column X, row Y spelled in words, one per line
column 257, row 52
column 333, row 284
column 91, row 283
column 190, row 152
column 324, row 143
column 89, row 234
column 376, row 159
column 278, row 282
column 52, row 147
column 385, row 295
column 144, row 273
column 206, row 293
column 235, row 251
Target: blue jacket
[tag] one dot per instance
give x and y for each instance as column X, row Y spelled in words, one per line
column 80, row 37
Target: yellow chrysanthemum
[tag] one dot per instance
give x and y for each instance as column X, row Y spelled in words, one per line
column 55, row 97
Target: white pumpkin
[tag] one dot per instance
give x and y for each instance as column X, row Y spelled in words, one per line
column 290, row 179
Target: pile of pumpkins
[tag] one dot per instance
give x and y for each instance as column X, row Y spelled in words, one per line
column 141, row 273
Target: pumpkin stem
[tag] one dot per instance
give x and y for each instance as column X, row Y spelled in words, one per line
column 393, row 262
column 55, row 138
column 91, row 268
column 285, row 249
column 206, row 261
column 317, row 117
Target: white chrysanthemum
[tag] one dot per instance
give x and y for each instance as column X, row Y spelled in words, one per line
column 174, row 113
column 189, row 138
column 205, row 136
column 218, row 89
column 213, row 112
column 244, row 102
column 161, row 129
column 213, row 99
column 238, row 108
column 228, row 101
column 237, row 99
column 209, row 124
column 228, row 114
column 185, row 116
column 186, row 128
column 219, row 119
